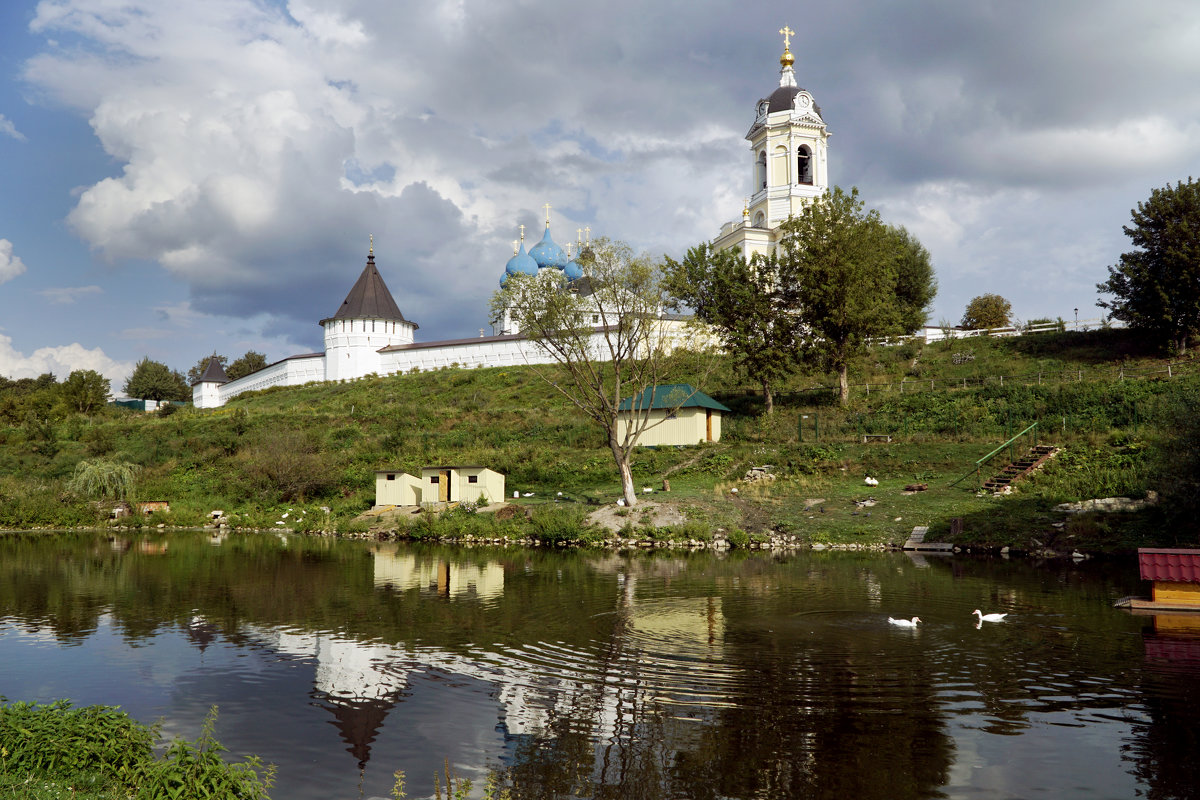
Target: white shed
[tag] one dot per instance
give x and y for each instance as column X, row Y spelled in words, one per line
column 461, row 484
column 676, row 414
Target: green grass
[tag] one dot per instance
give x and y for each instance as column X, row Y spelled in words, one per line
column 299, row 449
column 54, row 750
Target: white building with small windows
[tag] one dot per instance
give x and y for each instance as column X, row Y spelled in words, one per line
column 789, row 163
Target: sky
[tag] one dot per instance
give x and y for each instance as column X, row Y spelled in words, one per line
column 183, row 178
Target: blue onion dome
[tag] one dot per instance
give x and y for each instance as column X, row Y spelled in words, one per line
column 503, row 279
column 548, row 254
column 572, row 270
column 521, row 263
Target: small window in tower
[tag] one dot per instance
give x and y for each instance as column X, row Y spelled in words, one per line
column 595, row 317
column 804, row 165
column 760, row 220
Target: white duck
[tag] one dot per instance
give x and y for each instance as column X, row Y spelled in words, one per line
column 989, row 617
column 905, row 623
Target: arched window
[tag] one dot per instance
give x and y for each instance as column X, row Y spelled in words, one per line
column 804, row 165
column 760, row 220
column 762, row 170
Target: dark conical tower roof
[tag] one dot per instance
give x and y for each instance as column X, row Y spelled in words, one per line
column 369, row 298
column 213, row 373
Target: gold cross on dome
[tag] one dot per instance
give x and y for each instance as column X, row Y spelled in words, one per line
column 547, row 207
column 787, row 32
column 588, row 231
column 371, row 250
column 522, row 233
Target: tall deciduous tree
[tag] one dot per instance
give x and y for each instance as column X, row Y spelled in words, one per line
column 248, row 364
column 1156, row 286
column 742, row 302
column 605, row 331
column 987, row 311
column 153, row 380
column 851, row 278
column 84, row 391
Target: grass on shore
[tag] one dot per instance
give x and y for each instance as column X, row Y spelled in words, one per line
column 311, row 451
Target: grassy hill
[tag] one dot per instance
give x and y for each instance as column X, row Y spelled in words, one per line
column 1115, row 410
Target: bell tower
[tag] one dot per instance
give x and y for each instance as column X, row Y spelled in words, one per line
column 789, row 145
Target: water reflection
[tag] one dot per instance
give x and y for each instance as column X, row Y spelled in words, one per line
column 605, row 675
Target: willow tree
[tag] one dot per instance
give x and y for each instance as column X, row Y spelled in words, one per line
column 101, row 478
column 607, row 333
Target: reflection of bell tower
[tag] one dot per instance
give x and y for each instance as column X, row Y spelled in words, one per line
column 789, row 150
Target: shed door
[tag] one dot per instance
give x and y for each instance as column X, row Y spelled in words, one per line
column 708, row 424
column 444, row 486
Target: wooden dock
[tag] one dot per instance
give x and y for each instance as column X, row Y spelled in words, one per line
column 916, row 541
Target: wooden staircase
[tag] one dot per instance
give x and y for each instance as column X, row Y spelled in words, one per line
column 1033, row 459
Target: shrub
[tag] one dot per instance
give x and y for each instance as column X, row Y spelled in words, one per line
column 103, row 479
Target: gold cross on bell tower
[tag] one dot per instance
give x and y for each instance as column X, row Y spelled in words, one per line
column 787, row 32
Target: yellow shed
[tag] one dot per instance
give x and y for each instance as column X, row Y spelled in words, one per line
column 461, row 484
column 676, row 414
column 395, row 488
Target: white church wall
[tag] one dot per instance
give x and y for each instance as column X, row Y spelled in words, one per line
column 352, row 345
column 292, row 371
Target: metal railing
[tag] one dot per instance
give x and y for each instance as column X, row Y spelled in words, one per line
column 1010, row 444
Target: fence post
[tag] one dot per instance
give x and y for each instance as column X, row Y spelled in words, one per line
column 816, row 428
column 1168, row 370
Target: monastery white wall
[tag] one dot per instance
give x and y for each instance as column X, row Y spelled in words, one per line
column 352, row 345
column 490, row 351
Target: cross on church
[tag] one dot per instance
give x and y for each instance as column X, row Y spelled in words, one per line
column 522, row 233
column 787, row 32
column 547, row 207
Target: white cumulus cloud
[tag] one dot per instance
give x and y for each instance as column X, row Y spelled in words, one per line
column 8, row 129
column 10, row 265
column 61, row 361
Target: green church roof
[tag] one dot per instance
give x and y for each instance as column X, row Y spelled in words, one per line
column 671, row 395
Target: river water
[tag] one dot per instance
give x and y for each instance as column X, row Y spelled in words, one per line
column 594, row 674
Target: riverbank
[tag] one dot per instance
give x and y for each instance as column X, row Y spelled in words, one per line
column 304, row 458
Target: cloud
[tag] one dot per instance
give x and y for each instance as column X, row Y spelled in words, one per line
column 10, row 265
column 61, row 361
column 257, row 145
column 68, row 295
column 8, row 129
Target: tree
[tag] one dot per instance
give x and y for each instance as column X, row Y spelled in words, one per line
column 743, row 304
column 153, row 380
column 84, row 391
column 915, row 284
column 248, row 364
column 851, row 278
column 1156, row 286
column 987, row 311
column 103, row 478
column 605, row 331
column 197, row 372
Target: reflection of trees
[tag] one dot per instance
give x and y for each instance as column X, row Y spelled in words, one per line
column 611, row 706
column 1165, row 753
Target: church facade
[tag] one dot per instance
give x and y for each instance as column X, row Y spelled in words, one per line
column 789, row 162
column 369, row 335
